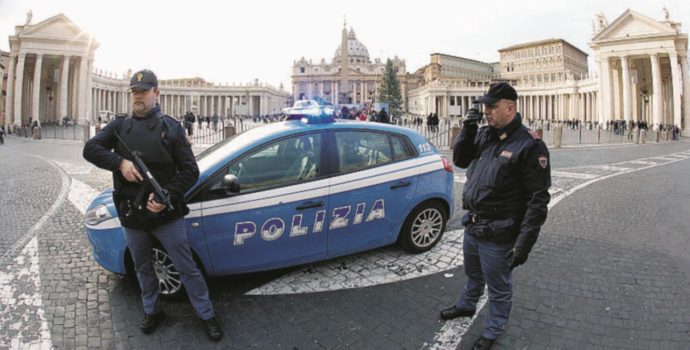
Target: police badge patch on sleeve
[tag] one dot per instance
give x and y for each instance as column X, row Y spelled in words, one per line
column 543, row 162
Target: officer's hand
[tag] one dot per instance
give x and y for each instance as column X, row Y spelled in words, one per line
column 154, row 206
column 130, row 172
column 472, row 118
column 514, row 258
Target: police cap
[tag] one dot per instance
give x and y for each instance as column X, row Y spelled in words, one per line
column 143, row 80
column 498, row 91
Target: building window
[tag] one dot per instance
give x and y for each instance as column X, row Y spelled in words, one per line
column 301, row 69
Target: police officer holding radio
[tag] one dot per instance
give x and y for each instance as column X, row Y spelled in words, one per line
column 165, row 151
column 506, row 197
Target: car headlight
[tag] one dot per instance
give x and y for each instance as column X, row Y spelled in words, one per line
column 97, row 214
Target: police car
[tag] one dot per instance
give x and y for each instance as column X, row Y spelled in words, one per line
column 298, row 191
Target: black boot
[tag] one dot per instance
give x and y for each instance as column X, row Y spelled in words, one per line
column 213, row 329
column 483, row 343
column 150, row 322
column 453, row 312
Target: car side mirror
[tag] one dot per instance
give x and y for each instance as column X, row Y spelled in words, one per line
column 231, row 183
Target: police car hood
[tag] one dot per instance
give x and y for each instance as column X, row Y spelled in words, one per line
column 105, row 197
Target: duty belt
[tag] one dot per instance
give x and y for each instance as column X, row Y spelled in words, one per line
column 475, row 218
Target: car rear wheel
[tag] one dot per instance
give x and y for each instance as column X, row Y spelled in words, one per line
column 424, row 227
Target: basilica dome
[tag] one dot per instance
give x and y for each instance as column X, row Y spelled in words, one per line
column 355, row 50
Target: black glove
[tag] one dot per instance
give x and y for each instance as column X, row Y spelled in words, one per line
column 472, row 118
column 514, row 258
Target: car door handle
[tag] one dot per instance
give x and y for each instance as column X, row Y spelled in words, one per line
column 308, row 205
column 400, row 184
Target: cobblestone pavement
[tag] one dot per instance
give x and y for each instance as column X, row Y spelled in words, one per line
column 609, row 271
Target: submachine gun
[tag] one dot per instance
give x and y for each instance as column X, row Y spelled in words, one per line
column 160, row 194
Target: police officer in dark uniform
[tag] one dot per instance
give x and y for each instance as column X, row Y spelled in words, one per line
column 168, row 155
column 506, row 197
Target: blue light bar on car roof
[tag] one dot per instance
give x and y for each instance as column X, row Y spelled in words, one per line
column 313, row 114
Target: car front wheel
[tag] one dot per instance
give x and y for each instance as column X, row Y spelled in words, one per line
column 169, row 281
column 424, row 227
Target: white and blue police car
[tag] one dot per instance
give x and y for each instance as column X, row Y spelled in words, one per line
column 306, row 189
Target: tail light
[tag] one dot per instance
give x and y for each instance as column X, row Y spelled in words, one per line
column 446, row 164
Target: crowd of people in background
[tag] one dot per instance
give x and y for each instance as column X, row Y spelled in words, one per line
column 619, row 126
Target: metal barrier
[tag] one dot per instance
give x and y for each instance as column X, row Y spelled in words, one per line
column 54, row 131
column 586, row 136
column 209, row 133
column 438, row 136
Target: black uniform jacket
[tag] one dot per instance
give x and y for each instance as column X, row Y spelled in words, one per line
column 508, row 180
column 177, row 173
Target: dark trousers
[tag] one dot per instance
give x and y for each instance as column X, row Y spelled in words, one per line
column 485, row 264
column 173, row 237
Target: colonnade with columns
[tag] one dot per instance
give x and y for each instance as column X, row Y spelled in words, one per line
column 46, row 87
column 178, row 104
column 558, row 106
column 534, row 105
column 453, row 104
column 113, row 96
column 645, row 86
column 110, row 100
column 362, row 90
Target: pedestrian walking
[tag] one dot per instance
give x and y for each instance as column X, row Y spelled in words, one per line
column 506, row 197
column 166, row 151
column 383, row 116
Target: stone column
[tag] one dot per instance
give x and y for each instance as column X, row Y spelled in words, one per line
column 87, row 89
column 686, row 93
column 363, row 89
column 627, row 106
column 219, row 106
column 10, row 92
column 106, row 100
column 675, row 78
column 81, row 101
column 18, row 89
column 615, row 94
column 36, row 98
column 656, row 83
column 176, row 103
column 354, row 91
column 336, row 93
column 96, row 100
column 604, row 91
column 202, row 105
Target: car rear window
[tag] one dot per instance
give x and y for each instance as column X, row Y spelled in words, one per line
column 359, row 150
column 401, row 149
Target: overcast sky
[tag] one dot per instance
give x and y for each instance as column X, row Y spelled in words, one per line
column 228, row 41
